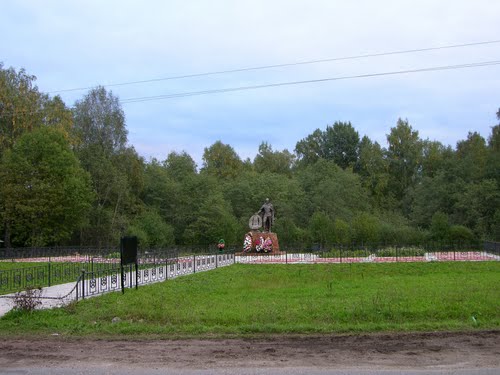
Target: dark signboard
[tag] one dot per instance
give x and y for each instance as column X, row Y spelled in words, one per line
column 128, row 250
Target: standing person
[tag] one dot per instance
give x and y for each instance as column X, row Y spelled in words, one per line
column 267, row 214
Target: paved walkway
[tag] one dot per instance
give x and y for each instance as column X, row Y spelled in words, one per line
column 52, row 297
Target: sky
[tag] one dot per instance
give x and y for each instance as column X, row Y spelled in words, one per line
column 81, row 44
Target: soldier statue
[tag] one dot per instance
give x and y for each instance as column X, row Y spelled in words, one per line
column 267, row 214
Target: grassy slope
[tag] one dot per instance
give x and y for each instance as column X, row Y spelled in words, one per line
column 244, row 299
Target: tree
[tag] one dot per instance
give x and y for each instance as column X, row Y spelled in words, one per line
column 365, row 228
column 23, row 108
column 440, row 226
column 404, row 157
column 116, row 170
column 321, row 229
column 309, row 149
column 372, row 166
column 214, row 221
column 332, row 190
column 180, row 165
column 45, row 193
column 472, row 157
column 221, row 161
column 267, row 160
column 435, row 157
column 476, row 206
column 340, row 144
column 100, row 122
column 153, row 232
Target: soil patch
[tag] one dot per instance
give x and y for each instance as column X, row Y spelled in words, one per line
column 450, row 350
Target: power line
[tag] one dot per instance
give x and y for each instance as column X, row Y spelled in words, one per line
column 290, row 83
column 307, row 62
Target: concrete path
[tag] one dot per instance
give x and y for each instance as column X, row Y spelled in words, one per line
column 52, row 296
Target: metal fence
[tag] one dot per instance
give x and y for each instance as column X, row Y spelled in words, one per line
column 377, row 254
column 62, row 265
column 163, row 268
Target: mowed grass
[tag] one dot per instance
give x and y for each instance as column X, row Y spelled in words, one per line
column 9, row 265
column 274, row 299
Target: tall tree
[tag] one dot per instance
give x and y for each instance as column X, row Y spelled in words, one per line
column 180, row 165
column 268, row 160
column 372, row 166
column 45, row 192
column 472, row 155
column 100, row 121
column 221, row 161
column 116, row 170
column 23, row 108
column 404, row 157
column 341, row 144
column 309, row 149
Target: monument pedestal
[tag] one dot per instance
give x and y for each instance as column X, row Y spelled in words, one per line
column 259, row 238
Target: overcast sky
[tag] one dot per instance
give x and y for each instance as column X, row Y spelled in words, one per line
column 75, row 44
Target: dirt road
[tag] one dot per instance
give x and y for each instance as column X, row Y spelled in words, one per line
column 437, row 350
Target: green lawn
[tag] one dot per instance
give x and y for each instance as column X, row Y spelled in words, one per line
column 253, row 299
column 8, row 265
column 16, row 276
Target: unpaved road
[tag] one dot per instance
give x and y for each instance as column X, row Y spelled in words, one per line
column 436, row 352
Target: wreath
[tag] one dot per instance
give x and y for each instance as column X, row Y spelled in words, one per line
column 247, row 243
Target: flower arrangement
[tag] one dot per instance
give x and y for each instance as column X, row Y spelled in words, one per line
column 247, row 243
column 259, row 244
column 267, row 245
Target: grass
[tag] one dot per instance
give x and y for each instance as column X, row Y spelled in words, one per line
column 16, row 276
column 275, row 299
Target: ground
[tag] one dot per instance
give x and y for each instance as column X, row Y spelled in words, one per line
column 434, row 350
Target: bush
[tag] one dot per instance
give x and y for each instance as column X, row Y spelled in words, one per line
column 461, row 234
column 401, row 252
column 28, row 300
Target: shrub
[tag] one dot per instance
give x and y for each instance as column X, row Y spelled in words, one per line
column 28, row 300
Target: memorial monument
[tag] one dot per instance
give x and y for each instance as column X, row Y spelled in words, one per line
column 257, row 241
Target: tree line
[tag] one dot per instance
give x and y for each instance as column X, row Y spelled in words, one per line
column 70, row 177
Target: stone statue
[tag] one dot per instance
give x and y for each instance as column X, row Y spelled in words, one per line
column 267, row 214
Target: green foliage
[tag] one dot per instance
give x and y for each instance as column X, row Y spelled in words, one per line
column 221, row 161
column 330, row 189
column 365, row 228
column 214, row 221
column 461, row 234
column 24, row 108
column 364, row 191
column 152, row 231
column 338, row 143
column 267, row 160
column 116, row 170
column 342, row 231
column 404, row 156
column 440, row 227
column 45, row 193
column 321, row 229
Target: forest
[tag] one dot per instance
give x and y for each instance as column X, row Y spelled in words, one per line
column 70, row 177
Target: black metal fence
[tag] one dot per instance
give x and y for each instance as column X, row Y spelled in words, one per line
column 165, row 266
column 376, row 253
column 51, row 266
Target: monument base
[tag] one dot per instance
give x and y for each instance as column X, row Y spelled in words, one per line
column 260, row 243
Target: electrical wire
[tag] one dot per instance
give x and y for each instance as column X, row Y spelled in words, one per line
column 307, row 62
column 290, row 83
